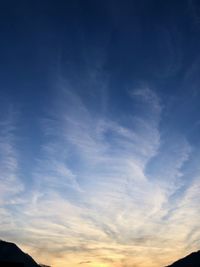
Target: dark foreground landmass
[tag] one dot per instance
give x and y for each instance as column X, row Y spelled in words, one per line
column 192, row 260
column 12, row 256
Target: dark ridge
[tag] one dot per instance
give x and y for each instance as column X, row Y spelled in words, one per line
column 11, row 264
column 11, row 255
column 192, row 260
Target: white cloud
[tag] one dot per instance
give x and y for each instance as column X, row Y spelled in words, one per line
column 10, row 183
column 105, row 191
column 103, row 162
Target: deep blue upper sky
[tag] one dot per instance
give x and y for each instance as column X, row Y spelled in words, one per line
column 154, row 42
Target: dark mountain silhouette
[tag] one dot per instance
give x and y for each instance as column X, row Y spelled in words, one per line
column 192, row 260
column 11, row 255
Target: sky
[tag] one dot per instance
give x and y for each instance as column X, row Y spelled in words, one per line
column 99, row 130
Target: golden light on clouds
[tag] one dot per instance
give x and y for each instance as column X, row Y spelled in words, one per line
column 104, row 172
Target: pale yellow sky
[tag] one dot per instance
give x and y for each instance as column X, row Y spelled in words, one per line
column 109, row 256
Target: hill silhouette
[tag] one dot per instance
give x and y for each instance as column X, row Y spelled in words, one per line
column 191, row 260
column 11, row 255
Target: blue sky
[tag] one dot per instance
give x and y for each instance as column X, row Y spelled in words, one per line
column 99, row 131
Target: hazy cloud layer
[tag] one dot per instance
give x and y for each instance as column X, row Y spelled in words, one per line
column 111, row 192
column 100, row 166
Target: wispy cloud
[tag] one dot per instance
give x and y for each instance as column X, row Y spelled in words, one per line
column 11, row 186
column 104, row 190
column 10, row 183
column 103, row 162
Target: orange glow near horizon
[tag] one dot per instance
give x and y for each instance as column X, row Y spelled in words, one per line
column 150, row 257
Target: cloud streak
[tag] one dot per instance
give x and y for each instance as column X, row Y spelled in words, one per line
column 10, row 183
column 104, row 191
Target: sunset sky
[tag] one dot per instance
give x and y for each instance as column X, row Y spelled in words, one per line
column 100, row 130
